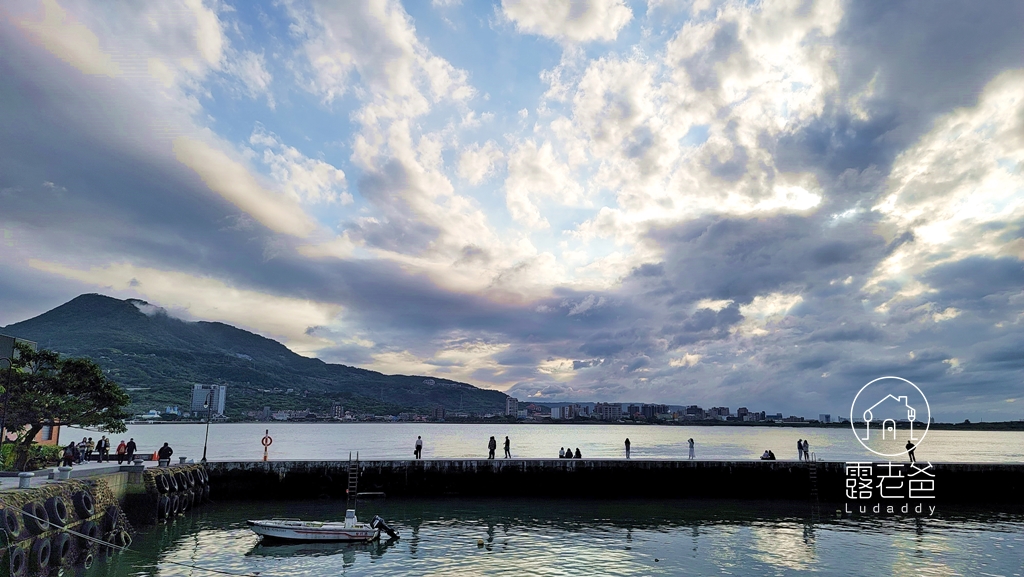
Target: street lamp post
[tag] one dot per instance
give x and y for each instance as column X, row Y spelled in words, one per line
column 208, row 405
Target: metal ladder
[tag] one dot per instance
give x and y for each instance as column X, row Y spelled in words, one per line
column 353, row 481
column 812, row 474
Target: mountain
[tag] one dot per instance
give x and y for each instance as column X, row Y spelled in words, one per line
column 157, row 358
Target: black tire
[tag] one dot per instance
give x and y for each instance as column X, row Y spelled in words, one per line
column 87, row 560
column 161, row 484
column 173, row 481
column 89, row 529
column 12, row 523
column 36, row 520
column 61, row 548
column 180, row 478
column 40, row 553
column 18, row 563
column 84, row 504
column 175, row 505
column 163, row 507
column 190, row 479
column 57, row 510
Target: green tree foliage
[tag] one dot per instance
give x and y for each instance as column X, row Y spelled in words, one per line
column 47, row 390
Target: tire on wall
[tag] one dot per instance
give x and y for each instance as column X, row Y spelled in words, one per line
column 84, row 504
column 173, row 481
column 61, row 548
column 12, row 523
column 35, row 517
column 18, row 563
column 190, row 479
column 90, row 530
column 162, row 485
column 40, row 555
column 163, row 507
column 57, row 511
column 175, row 504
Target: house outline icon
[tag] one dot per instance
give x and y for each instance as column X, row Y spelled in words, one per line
column 868, row 416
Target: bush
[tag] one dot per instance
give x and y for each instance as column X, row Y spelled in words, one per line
column 39, row 456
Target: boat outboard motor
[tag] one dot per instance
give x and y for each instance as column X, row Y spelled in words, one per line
column 378, row 523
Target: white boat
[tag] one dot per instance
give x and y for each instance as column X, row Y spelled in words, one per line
column 294, row 530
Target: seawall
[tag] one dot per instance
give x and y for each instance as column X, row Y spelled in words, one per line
column 597, row 478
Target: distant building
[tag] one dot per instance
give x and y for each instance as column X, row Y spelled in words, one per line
column 511, row 406
column 522, row 414
column 608, row 411
column 200, row 394
column 719, row 413
column 633, row 410
column 775, row 417
column 265, row 414
column 693, row 412
column 741, row 413
column 825, row 418
column 337, row 411
column 651, row 412
column 437, row 413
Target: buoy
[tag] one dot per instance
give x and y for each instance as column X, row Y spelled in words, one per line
column 479, row 542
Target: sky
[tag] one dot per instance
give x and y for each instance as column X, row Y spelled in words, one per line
column 759, row 204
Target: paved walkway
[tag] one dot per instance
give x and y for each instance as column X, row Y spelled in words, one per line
column 78, row 471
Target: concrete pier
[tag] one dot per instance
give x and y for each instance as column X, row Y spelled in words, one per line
column 594, row 478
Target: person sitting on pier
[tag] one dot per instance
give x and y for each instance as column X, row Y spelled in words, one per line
column 164, row 454
column 771, row 456
column 561, row 452
column 578, row 454
column 764, row 456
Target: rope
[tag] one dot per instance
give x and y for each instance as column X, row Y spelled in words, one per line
column 118, row 547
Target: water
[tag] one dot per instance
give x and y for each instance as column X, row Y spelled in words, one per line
column 331, row 441
column 528, row 537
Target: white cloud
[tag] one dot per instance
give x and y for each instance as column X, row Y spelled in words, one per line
column 569, row 20
column 687, row 360
column 302, row 178
column 479, row 162
column 207, row 298
column 251, row 69
column 536, row 172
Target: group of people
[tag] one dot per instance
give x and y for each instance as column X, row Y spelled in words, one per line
column 564, row 453
column 767, row 455
column 492, row 445
column 803, row 450
column 82, row 452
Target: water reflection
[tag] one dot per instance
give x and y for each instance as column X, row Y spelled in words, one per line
column 538, row 537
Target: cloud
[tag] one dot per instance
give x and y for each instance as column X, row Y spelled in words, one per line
column 304, row 179
column 479, row 162
column 569, row 20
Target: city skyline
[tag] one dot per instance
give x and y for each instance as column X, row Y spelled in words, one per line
column 656, row 201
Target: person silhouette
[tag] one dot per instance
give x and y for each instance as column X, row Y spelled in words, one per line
column 910, row 451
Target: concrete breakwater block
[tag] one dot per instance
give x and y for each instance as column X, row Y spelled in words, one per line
column 165, row 492
column 593, row 478
column 45, row 525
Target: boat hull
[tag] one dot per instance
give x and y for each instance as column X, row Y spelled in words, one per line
column 312, row 533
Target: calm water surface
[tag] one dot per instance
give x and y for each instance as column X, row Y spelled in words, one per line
column 395, row 441
column 527, row 537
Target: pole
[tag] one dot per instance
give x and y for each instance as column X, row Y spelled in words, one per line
column 209, row 411
column 7, row 397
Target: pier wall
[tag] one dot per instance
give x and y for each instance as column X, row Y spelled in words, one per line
column 592, row 478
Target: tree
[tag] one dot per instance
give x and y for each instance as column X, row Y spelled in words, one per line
column 47, row 390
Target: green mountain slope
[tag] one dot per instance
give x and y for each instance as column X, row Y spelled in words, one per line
column 158, row 358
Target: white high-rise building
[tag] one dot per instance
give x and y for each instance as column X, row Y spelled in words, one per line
column 200, row 393
column 825, row 418
column 511, row 406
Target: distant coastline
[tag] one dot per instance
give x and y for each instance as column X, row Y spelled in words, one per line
column 969, row 426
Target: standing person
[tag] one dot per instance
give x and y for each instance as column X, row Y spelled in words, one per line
column 627, row 447
column 910, row 451
column 122, row 449
column 508, row 446
column 69, row 454
column 104, row 450
column 130, row 449
column 807, row 450
column 164, row 454
column 492, row 445
column 81, row 450
column 418, row 451
column 800, row 449
column 690, row 442
column 89, row 448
